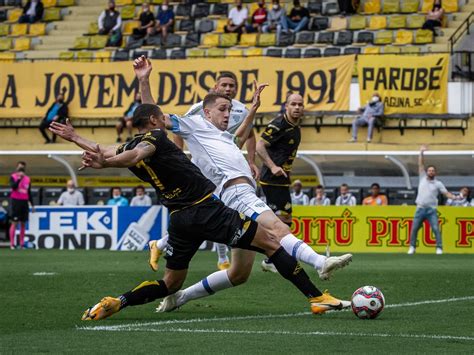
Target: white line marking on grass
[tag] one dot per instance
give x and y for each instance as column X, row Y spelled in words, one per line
column 139, row 326
column 44, row 273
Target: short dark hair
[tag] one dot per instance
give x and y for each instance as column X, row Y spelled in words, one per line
column 375, row 185
column 21, row 162
column 212, row 97
column 115, row 187
column 320, row 187
column 139, row 187
column 344, row 185
column 430, row 166
column 142, row 114
column 227, row 74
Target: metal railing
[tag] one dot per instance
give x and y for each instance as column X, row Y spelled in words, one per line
column 464, row 27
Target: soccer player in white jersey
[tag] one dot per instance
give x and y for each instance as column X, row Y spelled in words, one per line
column 227, row 84
column 217, row 153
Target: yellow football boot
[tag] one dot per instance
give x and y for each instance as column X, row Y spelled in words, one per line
column 326, row 302
column 155, row 255
column 105, row 308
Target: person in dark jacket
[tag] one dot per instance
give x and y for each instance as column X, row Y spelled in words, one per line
column 110, row 23
column 57, row 112
column 32, row 12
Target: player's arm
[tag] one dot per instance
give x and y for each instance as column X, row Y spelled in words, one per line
column 66, row 131
column 126, row 159
column 263, row 154
column 251, row 145
column 421, row 159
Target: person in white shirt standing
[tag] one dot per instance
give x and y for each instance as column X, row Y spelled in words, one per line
column 238, row 16
column 426, row 203
column 298, row 197
column 320, row 198
column 72, row 196
column 345, row 198
column 140, row 198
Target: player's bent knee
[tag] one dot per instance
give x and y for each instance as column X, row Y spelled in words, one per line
column 174, row 279
column 238, row 277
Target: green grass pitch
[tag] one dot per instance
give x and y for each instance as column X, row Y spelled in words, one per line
column 41, row 314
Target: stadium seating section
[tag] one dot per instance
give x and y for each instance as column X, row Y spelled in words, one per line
column 379, row 26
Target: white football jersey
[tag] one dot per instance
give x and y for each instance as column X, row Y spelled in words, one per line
column 237, row 114
column 213, row 151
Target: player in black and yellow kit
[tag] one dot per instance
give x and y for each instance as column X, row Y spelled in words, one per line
column 195, row 214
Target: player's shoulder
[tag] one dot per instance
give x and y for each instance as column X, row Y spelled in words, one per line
column 195, row 109
column 238, row 107
column 277, row 123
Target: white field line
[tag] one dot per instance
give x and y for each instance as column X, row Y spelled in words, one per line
column 44, row 273
column 132, row 326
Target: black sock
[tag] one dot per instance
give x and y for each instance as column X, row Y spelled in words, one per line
column 291, row 270
column 146, row 292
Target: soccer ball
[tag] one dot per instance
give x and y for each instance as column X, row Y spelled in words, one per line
column 367, row 302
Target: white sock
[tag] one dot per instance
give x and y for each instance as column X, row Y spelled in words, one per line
column 161, row 243
column 302, row 251
column 222, row 252
column 206, row 287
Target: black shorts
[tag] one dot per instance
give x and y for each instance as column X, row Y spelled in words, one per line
column 209, row 220
column 278, row 199
column 19, row 210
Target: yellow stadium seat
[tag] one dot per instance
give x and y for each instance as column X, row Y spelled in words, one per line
column 81, row 43
column 19, row 29
column 129, row 26
column 66, row 56
column 266, row 39
column 397, row 21
column 228, row 39
column 377, row 22
column 248, row 39
column 410, row 49
column 383, row 37
column 7, row 57
column 338, row 24
column 5, row 44
column 427, row 5
column 221, row 23
column 372, row 7
column 409, row 6
column 415, row 21
column 391, row 50
column 103, row 56
column 404, row 37
column 22, row 44
column 37, row 29
column 357, row 22
column 450, row 5
column 64, row 3
column 371, row 50
column 98, row 42
column 196, row 53
column 251, row 8
column 216, row 53
column 128, row 12
column 49, row 3
column 52, row 14
column 210, row 40
column 4, row 29
column 123, row 2
column 234, row 53
column 390, row 6
column 84, row 56
column 93, row 28
column 14, row 15
column 254, row 52
column 423, row 37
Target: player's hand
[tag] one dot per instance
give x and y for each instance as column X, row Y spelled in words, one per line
column 255, row 171
column 423, row 148
column 94, row 160
column 258, row 88
column 278, row 171
column 142, row 67
column 65, row 131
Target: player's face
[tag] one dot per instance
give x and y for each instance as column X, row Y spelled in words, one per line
column 319, row 192
column 140, row 192
column 295, row 107
column 297, row 188
column 375, row 191
column 219, row 113
column 344, row 190
column 431, row 172
column 226, row 86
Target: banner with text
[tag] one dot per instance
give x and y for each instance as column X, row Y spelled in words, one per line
column 106, row 89
column 407, row 84
column 366, row 229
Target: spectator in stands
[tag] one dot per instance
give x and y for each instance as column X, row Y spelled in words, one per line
column 20, row 197
column 259, row 18
column 274, row 17
column 126, row 120
column 434, row 17
column 237, row 19
column 375, row 198
column 164, row 20
column 462, row 198
column 297, row 20
column 72, row 196
column 117, row 198
column 110, row 23
column 320, row 198
column 140, row 198
column 147, row 23
column 57, row 112
column 298, row 197
column 345, row 198
column 372, row 111
column 32, row 12
column 427, row 202
column 346, row 7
